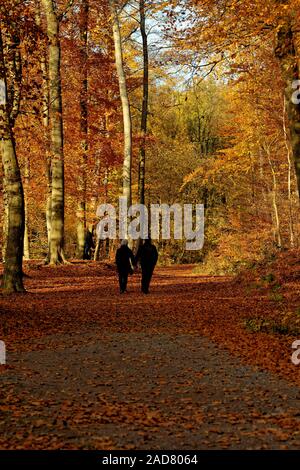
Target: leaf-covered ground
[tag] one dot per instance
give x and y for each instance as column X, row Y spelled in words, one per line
column 180, row 368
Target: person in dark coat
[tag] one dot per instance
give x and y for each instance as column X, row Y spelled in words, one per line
column 147, row 256
column 88, row 245
column 124, row 261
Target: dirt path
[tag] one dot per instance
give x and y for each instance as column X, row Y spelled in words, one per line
column 88, row 369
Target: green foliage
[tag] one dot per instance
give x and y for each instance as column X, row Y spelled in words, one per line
column 276, row 297
column 269, row 278
column 287, row 324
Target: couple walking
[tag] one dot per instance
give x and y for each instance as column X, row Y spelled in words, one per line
column 125, row 260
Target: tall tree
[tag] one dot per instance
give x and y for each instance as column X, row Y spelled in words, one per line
column 82, row 206
column 288, row 52
column 127, row 121
column 144, row 118
column 10, row 64
column 56, row 133
column 45, row 120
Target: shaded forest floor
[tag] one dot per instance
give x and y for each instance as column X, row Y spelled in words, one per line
column 201, row 362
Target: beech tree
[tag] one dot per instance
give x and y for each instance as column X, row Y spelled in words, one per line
column 45, row 121
column 82, row 179
column 144, row 116
column 288, row 52
column 10, row 75
column 53, row 19
column 56, row 133
column 127, row 121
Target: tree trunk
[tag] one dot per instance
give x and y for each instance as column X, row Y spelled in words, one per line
column 288, row 52
column 127, row 122
column 82, row 183
column 26, row 186
column 12, row 183
column 277, row 228
column 45, row 91
column 45, row 119
column 5, row 225
column 144, row 118
column 56, row 135
column 289, row 177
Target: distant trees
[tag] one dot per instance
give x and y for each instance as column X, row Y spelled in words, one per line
column 225, row 33
column 158, row 104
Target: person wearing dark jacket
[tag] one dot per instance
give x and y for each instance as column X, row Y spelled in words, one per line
column 124, row 259
column 147, row 256
column 88, row 245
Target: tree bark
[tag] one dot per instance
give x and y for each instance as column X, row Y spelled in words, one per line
column 288, row 53
column 13, row 273
column 144, row 118
column 277, row 225
column 45, row 119
column 82, row 183
column 56, row 135
column 26, row 187
column 5, row 224
column 127, row 121
column 289, row 177
column 45, row 91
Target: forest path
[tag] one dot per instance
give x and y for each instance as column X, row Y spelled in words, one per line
column 93, row 370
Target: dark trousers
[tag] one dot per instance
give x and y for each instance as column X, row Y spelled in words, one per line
column 146, row 279
column 87, row 252
column 123, row 279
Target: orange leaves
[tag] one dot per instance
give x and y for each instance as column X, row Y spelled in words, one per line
column 104, row 372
